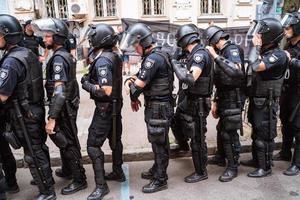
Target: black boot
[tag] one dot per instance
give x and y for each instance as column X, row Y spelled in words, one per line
column 47, row 196
column 293, row 170
column 217, row 160
column 99, row 192
column 115, row 176
column 60, row 173
column 228, row 175
column 282, row 156
column 182, row 147
column 74, row 187
column 195, row 177
column 264, row 164
column 155, row 186
column 12, row 188
column 249, row 163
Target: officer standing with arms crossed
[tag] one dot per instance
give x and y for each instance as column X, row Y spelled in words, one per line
column 267, row 64
column 21, row 92
column 104, row 83
column 198, row 84
column 155, row 81
column 230, row 81
column 290, row 101
column 63, row 95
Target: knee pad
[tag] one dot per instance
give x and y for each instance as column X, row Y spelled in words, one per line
column 260, row 145
column 94, row 153
column 29, row 160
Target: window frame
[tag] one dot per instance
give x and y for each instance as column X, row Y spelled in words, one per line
column 104, row 3
column 152, row 9
column 210, row 6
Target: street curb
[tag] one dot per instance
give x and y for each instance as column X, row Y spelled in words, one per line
column 141, row 155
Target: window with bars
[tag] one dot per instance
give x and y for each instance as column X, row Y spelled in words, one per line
column 210, row 6
column 62, row 9
column 153, row 7
column 50, row 8
column 105, row 8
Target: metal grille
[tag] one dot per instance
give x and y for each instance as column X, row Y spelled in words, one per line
column 99, row 8
column 111, row 8
column 216, row 6
column 147, row 7
column 50, row 8
column 204, row 6
column 63, row 9
column 158, row 7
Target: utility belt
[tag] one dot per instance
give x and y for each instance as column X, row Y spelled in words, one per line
column 156, row 104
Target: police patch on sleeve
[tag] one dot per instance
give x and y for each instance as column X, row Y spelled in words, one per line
column 102, row 71
column 57, row 77
column 149, row 63
column 273, row 58
column 58, row 67
column 198, row 57
column 234, row 52
column 3, row 74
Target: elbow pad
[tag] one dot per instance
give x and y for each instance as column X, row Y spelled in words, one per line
column 182, row 73
column 57, row 101
column 228, row 67
column 135, row 91
column 295, row 63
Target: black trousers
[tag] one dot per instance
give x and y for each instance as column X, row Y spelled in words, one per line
column 264, row 121
column 36, row 131
column 66, row 125
column 158, row 117
column 2, row 183
column 101, row 129
column 290, row 124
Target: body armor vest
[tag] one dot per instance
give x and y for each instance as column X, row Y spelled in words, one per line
column 117, row 77
column 261, row 87
column 72, row 88
column 204, row 84
column 31, row 43
column 294, row 75
column 222, row 80
column 161, row 86
column 31, row 88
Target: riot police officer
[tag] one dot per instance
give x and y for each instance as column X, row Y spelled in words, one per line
column 290, row 101
column 63, row 95
column 155, row 81
column 21, row 91
column 2, row 184
column 32, row 41
column 267, row 64
column 104, row 83
column 198, row 89
column 229, row 78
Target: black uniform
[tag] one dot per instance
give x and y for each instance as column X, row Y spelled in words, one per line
column 230, row 98
column 289, row 108
column 8, row 160
column 264, row 105
column 62, row 67
column 198, row 107
column 156, row 72
column 2, row 183
column 33, row 43
column 106, row 70
column 21, row 80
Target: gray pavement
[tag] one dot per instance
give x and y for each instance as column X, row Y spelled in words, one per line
column 275, row 187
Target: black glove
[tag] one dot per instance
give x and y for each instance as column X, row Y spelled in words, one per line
column 84, row 78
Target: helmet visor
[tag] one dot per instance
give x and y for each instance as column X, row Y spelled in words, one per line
column 257, row 27
column 288, row 20
column 128, row 42
column 42, row 26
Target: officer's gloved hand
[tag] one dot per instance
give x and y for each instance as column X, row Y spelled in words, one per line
column 84, row 78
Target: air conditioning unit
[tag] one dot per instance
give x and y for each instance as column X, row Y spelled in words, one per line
column 77, row 7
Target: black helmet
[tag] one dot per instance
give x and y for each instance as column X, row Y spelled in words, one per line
column 292, row 20
column 138, row 33
column 187, row 34
column 270, row 29
column 56, row 26
column 101, row 36
column 214, row 33
column 11, row 29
